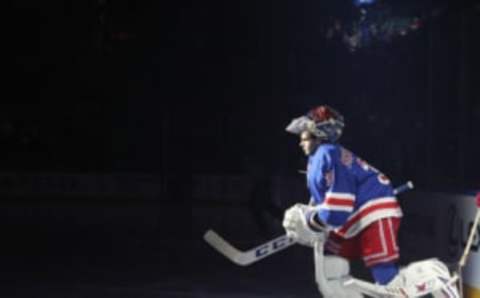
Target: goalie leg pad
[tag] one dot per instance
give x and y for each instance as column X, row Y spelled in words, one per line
column 430, row 276
column 335, row 271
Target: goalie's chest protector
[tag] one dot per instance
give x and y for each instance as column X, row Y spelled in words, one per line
column 349, row 193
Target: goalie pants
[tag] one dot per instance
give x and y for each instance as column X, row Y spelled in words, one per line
column 376, row 245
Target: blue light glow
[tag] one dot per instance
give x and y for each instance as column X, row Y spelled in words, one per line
column 363, row 2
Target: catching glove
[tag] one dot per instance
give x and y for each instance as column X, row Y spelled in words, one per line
column 301, row 224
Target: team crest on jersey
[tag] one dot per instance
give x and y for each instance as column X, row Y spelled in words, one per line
column 346, row 157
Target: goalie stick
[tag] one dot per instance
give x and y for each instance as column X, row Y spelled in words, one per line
column 245, row 258
column 473, row 229
column 248, row 257
column 466, row 252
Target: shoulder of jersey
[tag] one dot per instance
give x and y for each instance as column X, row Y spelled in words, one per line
column 328, row 148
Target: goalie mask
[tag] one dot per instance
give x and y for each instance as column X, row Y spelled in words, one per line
column 323, row 122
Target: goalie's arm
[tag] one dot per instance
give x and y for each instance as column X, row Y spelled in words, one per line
column 245, row 258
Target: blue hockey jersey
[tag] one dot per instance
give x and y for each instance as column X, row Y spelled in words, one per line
column 349, row 194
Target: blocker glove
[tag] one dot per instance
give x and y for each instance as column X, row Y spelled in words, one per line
column 302, row 225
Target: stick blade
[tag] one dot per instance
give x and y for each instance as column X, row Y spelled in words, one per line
column 223, row 247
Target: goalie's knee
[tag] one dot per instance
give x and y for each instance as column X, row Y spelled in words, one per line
column 336, row 267
column 336, row 270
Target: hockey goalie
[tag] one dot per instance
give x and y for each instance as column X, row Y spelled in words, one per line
column 353, row 213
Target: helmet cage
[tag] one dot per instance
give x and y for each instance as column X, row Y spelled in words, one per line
column 323, row 122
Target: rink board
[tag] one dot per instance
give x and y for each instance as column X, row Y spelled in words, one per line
column 447, row 220
column 472, row 292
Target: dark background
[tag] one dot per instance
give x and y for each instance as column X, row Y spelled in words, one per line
column 100, row 86
column 184, row 89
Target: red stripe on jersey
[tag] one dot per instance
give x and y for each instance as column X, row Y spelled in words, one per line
column 366, row 211
column 338, row 202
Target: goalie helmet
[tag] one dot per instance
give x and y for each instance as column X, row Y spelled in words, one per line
column 323, row 122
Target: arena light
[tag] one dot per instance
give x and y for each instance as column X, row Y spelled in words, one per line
column 363, row 2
